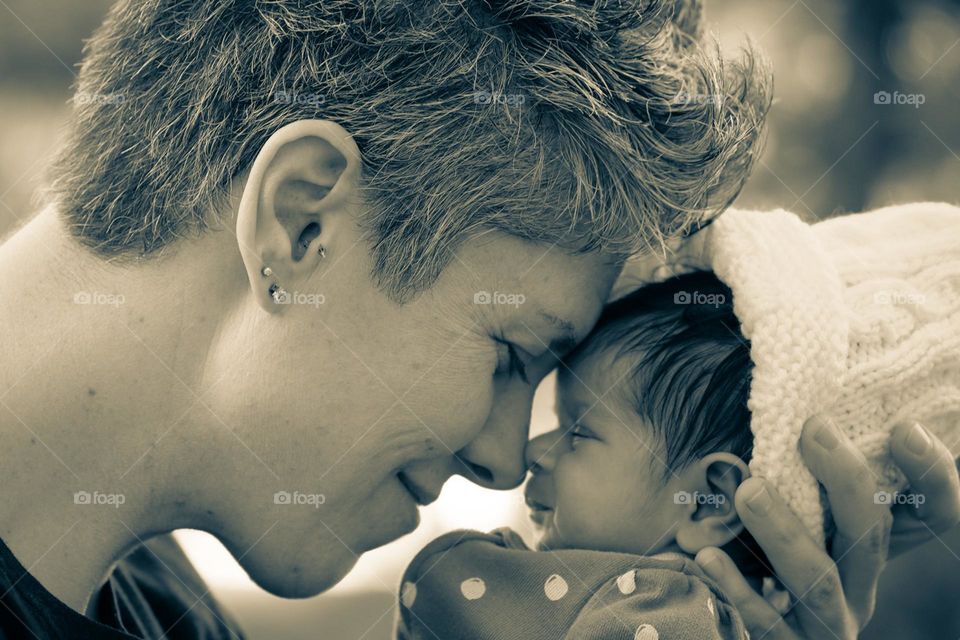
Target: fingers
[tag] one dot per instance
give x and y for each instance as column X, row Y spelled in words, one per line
column 863, row 522
column 801, row 565
column 860, row 561
column 843, row 471
column 762, row 620
column 931, row 471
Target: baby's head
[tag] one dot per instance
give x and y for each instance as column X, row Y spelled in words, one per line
column 654, row 435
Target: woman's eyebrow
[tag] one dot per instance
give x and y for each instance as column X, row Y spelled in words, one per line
column 569, row 336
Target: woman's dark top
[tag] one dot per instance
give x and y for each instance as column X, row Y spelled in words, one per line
column 153, row 593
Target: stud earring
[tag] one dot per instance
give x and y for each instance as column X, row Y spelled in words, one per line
column 266, row 272
column 278, row 293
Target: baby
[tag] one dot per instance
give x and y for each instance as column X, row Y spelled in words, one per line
column 683, row 389
column 652, row 442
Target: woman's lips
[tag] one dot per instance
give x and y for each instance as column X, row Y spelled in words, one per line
column 420, row 495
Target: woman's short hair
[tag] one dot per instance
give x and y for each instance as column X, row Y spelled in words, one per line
column 589, row 124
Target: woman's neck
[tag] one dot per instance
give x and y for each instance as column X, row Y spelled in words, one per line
column 92, row 384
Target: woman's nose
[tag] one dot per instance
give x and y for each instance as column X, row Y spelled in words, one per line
column 494, row 458
column 493, row 463
column 541, row 452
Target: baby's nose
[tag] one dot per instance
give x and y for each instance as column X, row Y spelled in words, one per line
column 541, row 452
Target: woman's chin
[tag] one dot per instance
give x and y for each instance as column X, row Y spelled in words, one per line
column 303, row 581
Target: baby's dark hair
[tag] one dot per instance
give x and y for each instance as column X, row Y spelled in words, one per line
column 689, row 365
column 689, row 375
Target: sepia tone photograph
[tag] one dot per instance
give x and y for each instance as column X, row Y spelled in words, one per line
column 480, row 319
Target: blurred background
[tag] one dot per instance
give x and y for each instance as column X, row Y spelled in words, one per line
column 865, row 115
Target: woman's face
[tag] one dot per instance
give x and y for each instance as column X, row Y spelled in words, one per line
column 349, row 413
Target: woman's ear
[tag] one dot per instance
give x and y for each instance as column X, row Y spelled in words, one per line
column 709, row 518
column 301, row 189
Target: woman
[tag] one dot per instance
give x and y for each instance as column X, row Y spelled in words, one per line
column 286, row 317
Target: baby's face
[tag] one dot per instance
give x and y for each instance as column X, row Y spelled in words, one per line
column 597, row 480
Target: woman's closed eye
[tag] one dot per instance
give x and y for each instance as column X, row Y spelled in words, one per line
column 511, row 361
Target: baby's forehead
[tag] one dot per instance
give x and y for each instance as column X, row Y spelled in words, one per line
column 600, row 378
column 600, row 361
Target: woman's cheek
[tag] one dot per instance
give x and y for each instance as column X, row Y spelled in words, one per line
column 472, row 410
column 455, row 406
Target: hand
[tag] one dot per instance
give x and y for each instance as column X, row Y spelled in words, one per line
column 835, row 598
column 933, row 473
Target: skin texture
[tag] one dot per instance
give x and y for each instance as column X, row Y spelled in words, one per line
column 198, row 399
column 597, row 483
column 835, row 594
column 177, row 384
column 600, row 481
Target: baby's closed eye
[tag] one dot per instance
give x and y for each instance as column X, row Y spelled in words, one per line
column 579, row 433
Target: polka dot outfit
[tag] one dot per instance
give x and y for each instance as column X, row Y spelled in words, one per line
column 476, row 586
column 856, row 318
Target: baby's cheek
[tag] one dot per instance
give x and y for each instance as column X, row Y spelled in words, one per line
column 605, row 510
column 580, row 517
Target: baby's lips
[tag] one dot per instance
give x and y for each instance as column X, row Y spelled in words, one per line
column 538, row 492
column 539, row 512
column 535, row 499
column 539, row 517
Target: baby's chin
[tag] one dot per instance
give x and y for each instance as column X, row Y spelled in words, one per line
column 549, row 540
column 542, row 546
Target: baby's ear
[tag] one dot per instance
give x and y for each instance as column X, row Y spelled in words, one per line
column 708, row 515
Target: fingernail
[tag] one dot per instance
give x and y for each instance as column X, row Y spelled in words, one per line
column 759, row 502
column 710, row 561
column 826, row 435
column 917, row 440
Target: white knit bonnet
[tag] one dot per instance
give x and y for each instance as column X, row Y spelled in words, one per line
column 856, row 319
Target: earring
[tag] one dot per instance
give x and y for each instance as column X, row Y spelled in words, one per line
column 322, row 251
column 266, row 272
column 278, row 293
